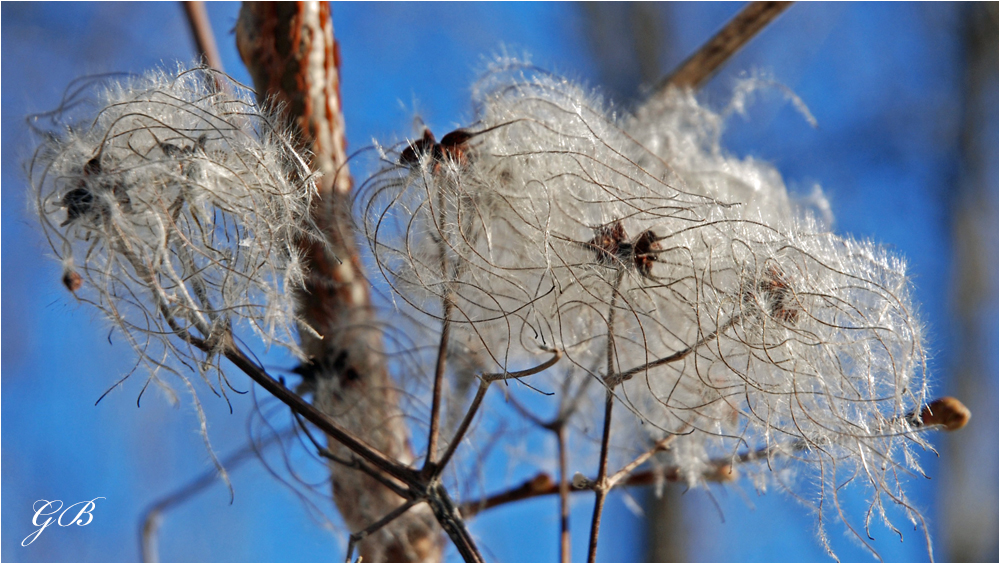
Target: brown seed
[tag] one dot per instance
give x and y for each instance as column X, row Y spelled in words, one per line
column 453, row 146
column 775, row 290
column 607, row 242
column 412, row 154
column 72, row 280
column 644, row 251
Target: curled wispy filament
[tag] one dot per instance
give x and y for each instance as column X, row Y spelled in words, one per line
column 727, row 315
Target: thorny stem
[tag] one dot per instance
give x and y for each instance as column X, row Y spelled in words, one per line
column 700, row 66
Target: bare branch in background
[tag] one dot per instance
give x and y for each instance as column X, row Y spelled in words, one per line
column 201, row 29
column 627, row 43
column 149, row 528
column 700, row 66
column 969, row 495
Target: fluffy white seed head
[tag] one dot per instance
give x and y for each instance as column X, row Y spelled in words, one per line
column 680, row 277
column 176, row 206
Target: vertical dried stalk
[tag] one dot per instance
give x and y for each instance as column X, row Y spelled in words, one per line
column 698, row 68
column 291, row 54
column 201, row 31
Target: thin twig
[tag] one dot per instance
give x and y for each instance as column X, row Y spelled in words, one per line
column 304, row 408
column 201, row 30
column 639, row 460
column 700, row 66
column 565, row 550
column 450, row 519
column 484, row 384
column 679, row 355
column 353, row 462
column 439, row 369
column 360, row 535
column 540, row 485
column 601, row 484
column 720, row 470
column 153, row 515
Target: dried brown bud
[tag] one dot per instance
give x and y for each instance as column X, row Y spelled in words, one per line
column 541, row 483
column 722, row 473
column 947, row 412
column 72, row 280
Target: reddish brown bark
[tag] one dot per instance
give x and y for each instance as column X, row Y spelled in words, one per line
column 291, row 54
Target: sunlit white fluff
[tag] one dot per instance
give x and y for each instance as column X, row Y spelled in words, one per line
column 790, row 342
column 176, row 206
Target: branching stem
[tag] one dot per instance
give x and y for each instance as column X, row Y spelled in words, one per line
column 484, row 383
column 679, row 355
column 374, row 527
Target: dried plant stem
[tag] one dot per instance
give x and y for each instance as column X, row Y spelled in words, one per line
column 201, row 29
column 432, row 438
column 627, row 470
column 420, row 489
column 700, row 66
column 542, row 482
column 565, row 549
column 361, row 535
column 601, row 483
column 353, row 463
column 442, row 355
column 721, row 470
column 291, row 54
column 310, row 413
column 484, row 384
column 451, row 521
column 679, row 355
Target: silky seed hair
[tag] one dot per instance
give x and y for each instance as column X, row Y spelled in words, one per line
column 684, row 279
column 176, row 206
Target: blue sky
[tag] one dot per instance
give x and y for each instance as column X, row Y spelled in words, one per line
column 881, row 79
